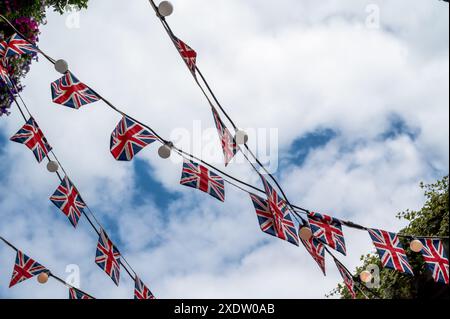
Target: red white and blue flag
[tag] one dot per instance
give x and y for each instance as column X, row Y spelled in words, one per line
column 280, row 226
column 70, row 92
column 433, row 253
column 282, row 219
column 189, row 56
column 4, row 76
column 390, row 250
column 128, row 139
column 197, row 176
column 25, row 268
column 317, row 251
column 328, row 230
column 16, row 45
column 348, row 278
column 229, row 145
column 141, row 291
column 108, row 257
column 31, row 136
column 69, row 201
column 3, row 45
column 78, row 295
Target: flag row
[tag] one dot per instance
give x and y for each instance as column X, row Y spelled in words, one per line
column 107, row 257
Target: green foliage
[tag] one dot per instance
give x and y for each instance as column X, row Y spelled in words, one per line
column 430, row 220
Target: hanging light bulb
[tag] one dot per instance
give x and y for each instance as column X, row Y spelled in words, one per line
column 416, row 246
column 165, row 8
column 43, row 277
column 305, row 233
column 52, row 166
column 366, row 276
column 61, row 66
column 165, row 150
column 241, row 137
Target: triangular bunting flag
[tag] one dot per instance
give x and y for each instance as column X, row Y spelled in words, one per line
column 433, row 253
column 328, row 230
column 16, row 45
column 141, row 291
column 282, row 220
column 390, row 250
column 189, row 56
column 128, row 139
column 31, row 136
column 4, row 76
column 229, row 145
column 108, row 257
column 70, row 92
column 25, row 268
column 197, row 176
column 280, row 226
column 68, row 200
column 78, row 295
column 317, row 252
column 348, row 278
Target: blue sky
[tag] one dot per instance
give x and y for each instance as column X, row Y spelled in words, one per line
column 361, row 115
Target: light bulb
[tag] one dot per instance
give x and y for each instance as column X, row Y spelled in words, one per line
column 366, row 276
column 241, row 137
column 52, row 166
column 164, row 151
column 416, row 246
column 165, row 8
column 61, row 66
column 305, row 233
column 43, row 277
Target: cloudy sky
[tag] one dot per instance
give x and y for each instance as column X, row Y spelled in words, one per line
column 356, row 90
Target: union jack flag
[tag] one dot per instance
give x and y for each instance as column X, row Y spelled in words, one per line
column 141, row 291
column 280, row 226
column 197, row 176
column 4, row 76
column 108, row 257
column 128, row 139
column 348, row 278
column 317, row 251
column 189, row 56
column 68, row 200
column 16, row 45
column 390, row 250
column 229, row 146
column 25, row 268
column 328, row 230
column 3, row 45
column 31, row 136
column 433, row 253
column 282, row 219
column 78, row 295
column 70, row 92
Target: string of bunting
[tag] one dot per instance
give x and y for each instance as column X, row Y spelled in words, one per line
column 317, row 233
column 66, row 197
column 25, row 268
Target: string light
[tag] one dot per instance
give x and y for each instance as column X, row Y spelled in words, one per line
column 165, row 8
column 241, row 137
column 416, row 246
column 61, row 66
column 52, row 166
column 305, row 233
column 42, row 278
column 366, row 276
column 165, row 150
